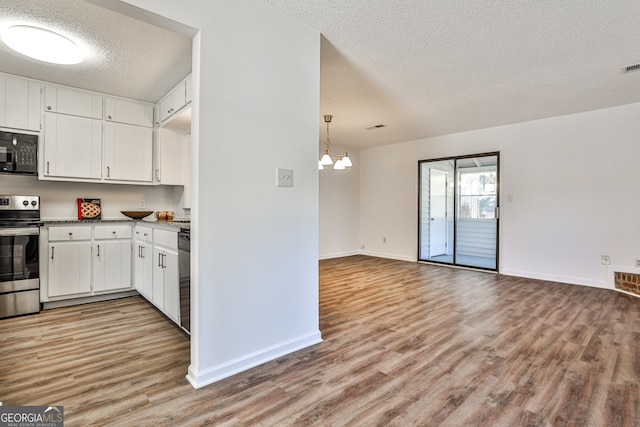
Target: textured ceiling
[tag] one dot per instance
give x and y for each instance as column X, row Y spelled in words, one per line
column 421, row 67
column 126, row 57
column 425, row 68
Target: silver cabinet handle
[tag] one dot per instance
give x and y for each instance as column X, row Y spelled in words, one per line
column 49, row 107
column 70, row 234
column 109, row 117
column 53, row 250
column 108, row 172
column 164, row 257
column 158, row 174
column 98, row 251
column 47, row 168
column 159, row 260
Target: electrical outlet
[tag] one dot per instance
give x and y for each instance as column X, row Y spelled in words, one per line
column 605, row 259
column 285, row 177
column 142, row 203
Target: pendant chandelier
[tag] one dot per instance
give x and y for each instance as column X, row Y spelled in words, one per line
column 342, row 161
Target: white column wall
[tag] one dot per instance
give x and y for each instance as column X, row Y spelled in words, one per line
column 256, row 109
column 574, row 185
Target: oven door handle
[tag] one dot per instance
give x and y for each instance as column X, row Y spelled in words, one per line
column 26, row 231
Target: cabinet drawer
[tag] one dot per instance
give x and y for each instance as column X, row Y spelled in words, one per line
column 166, row 238
column 144, row 234
column 113, row 232
column 69, row 233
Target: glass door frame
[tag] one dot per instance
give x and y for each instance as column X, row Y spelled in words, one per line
column 456, row 207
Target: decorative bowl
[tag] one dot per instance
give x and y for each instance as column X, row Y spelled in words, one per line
column 136, row 214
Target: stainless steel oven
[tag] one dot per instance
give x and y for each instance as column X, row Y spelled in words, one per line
column 19, row 263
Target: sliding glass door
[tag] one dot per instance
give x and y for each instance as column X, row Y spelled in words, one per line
column 458, row 211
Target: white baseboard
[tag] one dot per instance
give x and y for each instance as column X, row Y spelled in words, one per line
column 390, row 256
column 216, row 373
column 338, row 254
column 583, row 281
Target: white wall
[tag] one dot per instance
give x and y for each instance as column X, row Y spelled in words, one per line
column 58, row 199
column 256, row 108
column 574, row 185
column 340, row 208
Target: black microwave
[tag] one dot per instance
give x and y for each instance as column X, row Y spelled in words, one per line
column 18, row 153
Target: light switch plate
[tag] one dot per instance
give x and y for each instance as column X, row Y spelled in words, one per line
column 285, row 177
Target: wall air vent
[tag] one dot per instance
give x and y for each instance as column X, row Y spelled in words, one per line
column 628, row 68
column 375, row 127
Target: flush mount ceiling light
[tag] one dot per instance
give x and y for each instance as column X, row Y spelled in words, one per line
column 342, row 160
column 42, row 44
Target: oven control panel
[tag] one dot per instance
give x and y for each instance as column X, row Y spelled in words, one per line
column 20, row 203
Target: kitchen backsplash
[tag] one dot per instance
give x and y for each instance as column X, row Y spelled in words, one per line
column 58, row 200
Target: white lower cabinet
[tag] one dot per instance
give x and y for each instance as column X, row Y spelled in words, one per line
column 165, row 282
column 86, row 260
column 143, row 264
column 69, row 268
column 111, row 258
column 156, row 269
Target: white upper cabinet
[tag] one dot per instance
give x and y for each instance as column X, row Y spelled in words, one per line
column 129, row 112
column 175, row 100
column 20, row 103
column 128, row 152
column 170, row 153
column 73, row 102
column 72, row 147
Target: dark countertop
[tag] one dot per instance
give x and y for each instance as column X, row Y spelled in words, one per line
column 172, row 225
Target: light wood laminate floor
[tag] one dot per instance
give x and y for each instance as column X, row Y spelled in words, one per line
column 404, row 344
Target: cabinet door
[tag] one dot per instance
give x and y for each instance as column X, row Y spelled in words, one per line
column 73, row 102
column 170, row 160
column 157, row 294
column 144, row 269
column 129, row 112
column 69, row 268
column 72, row 146
column 171, row 286
column 128, row 152
column 179, row 97
column 21, row 104
column 173, row 102
column 166, row 108
column 111, row 265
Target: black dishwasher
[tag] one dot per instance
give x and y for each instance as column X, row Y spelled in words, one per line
column 184, row 265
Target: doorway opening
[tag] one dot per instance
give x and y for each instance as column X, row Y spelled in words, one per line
column 459, row 212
